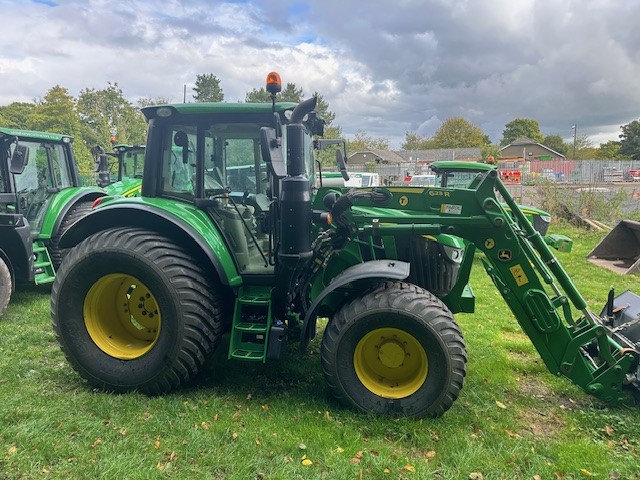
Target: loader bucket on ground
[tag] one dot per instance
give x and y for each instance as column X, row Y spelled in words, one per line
column 620, row 249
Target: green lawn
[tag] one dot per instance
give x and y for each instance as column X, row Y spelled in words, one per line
column 278, row 421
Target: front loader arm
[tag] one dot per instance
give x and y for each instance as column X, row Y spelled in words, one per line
column 523, row 268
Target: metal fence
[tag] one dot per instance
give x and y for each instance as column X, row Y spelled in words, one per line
column 580, row 172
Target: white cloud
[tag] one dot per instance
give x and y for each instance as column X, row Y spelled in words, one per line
column 385, row 67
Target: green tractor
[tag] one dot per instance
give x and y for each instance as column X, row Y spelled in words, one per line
column 152, row 283
column 40, row 197
column 129, row 161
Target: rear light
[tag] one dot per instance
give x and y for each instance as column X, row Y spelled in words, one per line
column 97, row 202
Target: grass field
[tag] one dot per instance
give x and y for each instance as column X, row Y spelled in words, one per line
column 513, row 419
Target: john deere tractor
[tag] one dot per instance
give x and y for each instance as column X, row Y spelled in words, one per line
column 40, row 196
column 129, row 162
column 233, row 237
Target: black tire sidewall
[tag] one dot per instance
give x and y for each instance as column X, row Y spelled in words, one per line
column 81, row 349
column 429, row 392
column 6, row 286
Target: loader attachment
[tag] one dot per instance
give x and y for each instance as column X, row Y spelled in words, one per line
column 619, row 251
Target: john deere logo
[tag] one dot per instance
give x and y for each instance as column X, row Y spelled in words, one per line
column 504, row 255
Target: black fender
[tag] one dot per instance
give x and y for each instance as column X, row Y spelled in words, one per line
column 380, row 269
column 90, row 196
column 133, row 215
column 16, row 247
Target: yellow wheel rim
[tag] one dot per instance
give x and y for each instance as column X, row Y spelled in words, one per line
column 122, row 316
column 390, row 363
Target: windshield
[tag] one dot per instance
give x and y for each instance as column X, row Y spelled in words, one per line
column 132, row 163
column 45, row 173
column 231, row 159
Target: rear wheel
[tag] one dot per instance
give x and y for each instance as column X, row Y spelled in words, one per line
column 76, row 212
column 6, row 286
column 134, row 311
column 395, row 350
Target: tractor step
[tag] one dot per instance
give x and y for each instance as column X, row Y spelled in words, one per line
column 251, row 325
column 42, row 264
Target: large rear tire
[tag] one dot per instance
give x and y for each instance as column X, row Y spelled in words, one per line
column 76, row 212
column 6, row 286
column 134, row 311
column 396, row 350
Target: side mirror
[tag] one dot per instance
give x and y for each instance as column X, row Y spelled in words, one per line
column 19, row 159
column 342, row 165
column 182, row 140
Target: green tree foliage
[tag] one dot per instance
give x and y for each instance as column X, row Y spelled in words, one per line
column 584, row 148
column 16, row 115
column 413, row 141
column 106, row 113
column 610, row 150
column 290, row 93
column 555, row 142
column 457, row 132
column 149, row 101
column 630, row 140
column 56, row 112
column 521, row 127
column 362, row 141
column 208, row 88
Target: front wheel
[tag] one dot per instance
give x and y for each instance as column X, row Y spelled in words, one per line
column 6, row 286
column 132, row 310
column 395, row 350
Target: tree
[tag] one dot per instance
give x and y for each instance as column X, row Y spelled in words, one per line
column 413, row 141
column 456, row 132
column 16, row 115
column 56, row 113
column 362, row 141
column 610, row 150
column 322, row 107
column 106, row 113
column 584, row 148
column 521, row 127
column 149, row 101
column 208, row 88
column 630, row 140
column 289, row 94
column 555, row 142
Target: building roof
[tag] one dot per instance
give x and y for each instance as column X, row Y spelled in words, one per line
column 524, row 141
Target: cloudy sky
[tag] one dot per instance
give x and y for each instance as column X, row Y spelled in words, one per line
column 384, row 66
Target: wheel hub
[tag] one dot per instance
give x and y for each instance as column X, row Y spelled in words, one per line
column 390, row 362
column 391, row 353
column 122, row 316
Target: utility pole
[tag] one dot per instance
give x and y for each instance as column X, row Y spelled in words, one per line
column 184, row 94
column 575, row 132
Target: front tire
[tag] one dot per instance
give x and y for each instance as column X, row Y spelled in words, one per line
column 6, row 286
column 134, row 311
column 396, row 350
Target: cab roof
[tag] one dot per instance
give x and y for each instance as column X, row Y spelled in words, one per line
column 204, row 108
column 24, row 134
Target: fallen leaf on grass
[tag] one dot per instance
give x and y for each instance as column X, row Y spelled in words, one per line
column 12, row 450
column 409, row 468
column 96, row 442
column 586, row 473
column 609, row 430
column 476, row 476
column 156, row 444
column 386, row 471
column 501, row 405
column 306, row 461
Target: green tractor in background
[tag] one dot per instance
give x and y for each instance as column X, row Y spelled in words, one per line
column 129, row 161
column 40, row 197
column 151, row 284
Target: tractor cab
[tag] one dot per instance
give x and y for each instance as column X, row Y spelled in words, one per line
column 209, row 155
column 128, row 160
column 47, row 168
